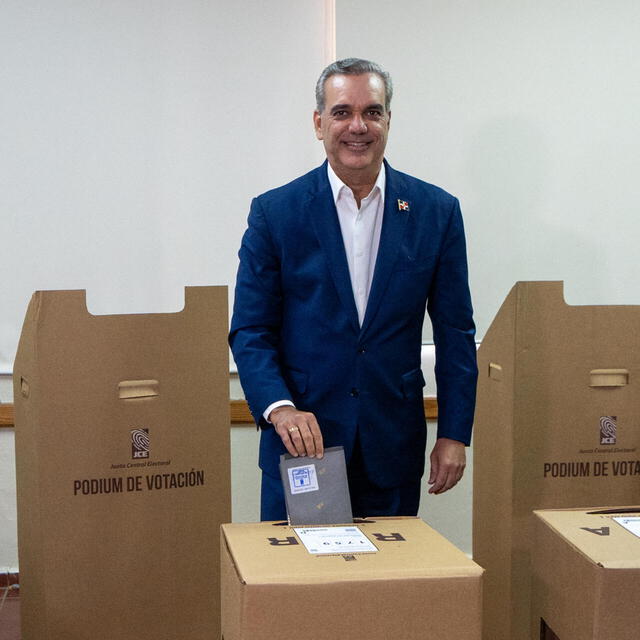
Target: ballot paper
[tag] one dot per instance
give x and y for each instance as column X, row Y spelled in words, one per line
column 316, row 490
column 321, row 540
column 630, row 523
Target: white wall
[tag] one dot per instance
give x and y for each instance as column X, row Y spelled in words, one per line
column 134, row 134
column 528, row 111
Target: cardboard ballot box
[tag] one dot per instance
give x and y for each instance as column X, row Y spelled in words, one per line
column 557, row 425
column 410, row 583
column 586, row 575
column 122, row 460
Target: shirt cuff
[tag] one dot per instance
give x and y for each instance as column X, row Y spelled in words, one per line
column 275, row 405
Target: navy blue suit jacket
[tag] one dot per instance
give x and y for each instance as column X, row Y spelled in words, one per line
column 295, row 332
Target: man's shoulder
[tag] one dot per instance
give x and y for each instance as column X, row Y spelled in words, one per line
column 310, row 181
column 418, row 188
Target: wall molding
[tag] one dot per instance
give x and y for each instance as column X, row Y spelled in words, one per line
column 6, row 415
column 238, row 411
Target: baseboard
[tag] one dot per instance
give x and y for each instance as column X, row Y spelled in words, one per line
column 9, row 580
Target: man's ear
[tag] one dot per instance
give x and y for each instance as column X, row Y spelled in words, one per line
column 317, row 124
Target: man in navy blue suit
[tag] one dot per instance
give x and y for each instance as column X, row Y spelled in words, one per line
column 336, row 271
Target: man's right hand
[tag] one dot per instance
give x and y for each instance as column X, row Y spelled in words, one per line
column 299, row 431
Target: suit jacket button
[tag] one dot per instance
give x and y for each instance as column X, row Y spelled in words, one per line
column 354, row 393
column 361, row 350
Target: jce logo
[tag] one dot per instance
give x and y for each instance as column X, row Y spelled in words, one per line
column 139, row 443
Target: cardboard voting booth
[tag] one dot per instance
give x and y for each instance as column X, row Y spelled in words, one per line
column 557, row 425
column 377, row 579
column 586, row 574
column 122, row 460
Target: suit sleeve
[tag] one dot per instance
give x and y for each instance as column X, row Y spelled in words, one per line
column 451, row 313
column 257, row 317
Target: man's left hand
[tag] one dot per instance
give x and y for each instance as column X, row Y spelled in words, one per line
column 448, row 460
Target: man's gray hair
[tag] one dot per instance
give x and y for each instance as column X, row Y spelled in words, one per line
column 353, row 67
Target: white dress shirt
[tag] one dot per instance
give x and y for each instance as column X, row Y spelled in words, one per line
column 360, row 229
column 360, row 233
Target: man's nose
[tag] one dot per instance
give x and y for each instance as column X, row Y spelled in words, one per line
column 357, row 124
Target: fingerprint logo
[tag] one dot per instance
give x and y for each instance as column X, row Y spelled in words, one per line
column 139, row 443
column 608, row 428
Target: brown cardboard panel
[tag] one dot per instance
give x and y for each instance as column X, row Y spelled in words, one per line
column 597, row 535
column 565, row 603
column 122, row 494
column 618, row 614
column 493, row 471
column 416, row 584
column 545, row 436
column 572, row 591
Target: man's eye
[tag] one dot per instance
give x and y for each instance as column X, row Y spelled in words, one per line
column 339, row 114
column 374, row 113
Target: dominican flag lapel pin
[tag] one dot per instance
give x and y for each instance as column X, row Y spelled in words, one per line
column 403, row 205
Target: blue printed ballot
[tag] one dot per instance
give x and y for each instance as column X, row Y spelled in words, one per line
column 316, row 491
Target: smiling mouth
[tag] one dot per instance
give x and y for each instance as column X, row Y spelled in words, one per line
column 356, row 146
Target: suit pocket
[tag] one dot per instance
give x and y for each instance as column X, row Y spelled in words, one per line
column 296, row 380
column 413, row 383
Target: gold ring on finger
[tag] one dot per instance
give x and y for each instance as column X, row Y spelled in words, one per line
column 294, row 429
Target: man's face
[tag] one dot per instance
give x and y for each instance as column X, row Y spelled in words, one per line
column 354, row 124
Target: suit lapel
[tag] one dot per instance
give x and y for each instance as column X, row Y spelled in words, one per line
column 393, row 227
column 324, row 218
